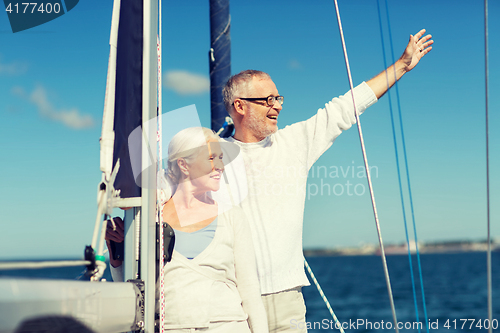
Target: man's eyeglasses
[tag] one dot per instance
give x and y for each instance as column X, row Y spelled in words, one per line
column 271, row 100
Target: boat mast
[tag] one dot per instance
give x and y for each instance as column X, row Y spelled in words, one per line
column 220, row 62
column 148, row 180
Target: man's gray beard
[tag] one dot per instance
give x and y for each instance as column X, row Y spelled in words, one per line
column 259, row 127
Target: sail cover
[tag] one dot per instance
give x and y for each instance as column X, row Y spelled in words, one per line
column 128, row 93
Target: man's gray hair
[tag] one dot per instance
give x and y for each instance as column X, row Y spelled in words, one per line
column 238, row 85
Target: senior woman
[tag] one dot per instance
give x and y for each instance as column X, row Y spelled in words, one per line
column 211, row 283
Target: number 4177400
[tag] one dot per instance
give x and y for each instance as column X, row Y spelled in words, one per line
column 33, row 7
column 470, row 324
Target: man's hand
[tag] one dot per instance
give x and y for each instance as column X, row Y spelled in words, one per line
column 417, row 47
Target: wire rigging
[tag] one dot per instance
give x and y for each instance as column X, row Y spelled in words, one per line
column 398, row 169
column 370, row 186
column 405, row 157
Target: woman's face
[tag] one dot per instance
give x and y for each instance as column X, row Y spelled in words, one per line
column 205, row 171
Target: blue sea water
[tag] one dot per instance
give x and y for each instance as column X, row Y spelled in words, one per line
column 455, row 288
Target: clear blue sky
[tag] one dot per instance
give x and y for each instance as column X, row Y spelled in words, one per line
column 52, row 84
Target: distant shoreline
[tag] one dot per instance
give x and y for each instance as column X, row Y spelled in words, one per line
column 401, row 249
column 367, row 249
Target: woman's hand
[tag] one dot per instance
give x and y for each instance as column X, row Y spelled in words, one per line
column 114, row 232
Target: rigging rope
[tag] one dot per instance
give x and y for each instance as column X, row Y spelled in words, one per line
column 406, row 169
column 382, row 252
column 337, row 322
column 488, row 264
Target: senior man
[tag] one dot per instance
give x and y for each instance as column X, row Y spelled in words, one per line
column 277, row 163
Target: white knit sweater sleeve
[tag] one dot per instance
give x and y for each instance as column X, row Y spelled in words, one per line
column 318, row 132
column 246, row 274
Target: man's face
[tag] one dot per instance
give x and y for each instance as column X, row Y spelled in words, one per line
column 260, row 118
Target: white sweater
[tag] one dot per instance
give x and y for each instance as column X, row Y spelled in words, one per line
column 219, row 284
column 276, row 174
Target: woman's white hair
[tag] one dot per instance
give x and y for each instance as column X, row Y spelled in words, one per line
column 185, row 145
